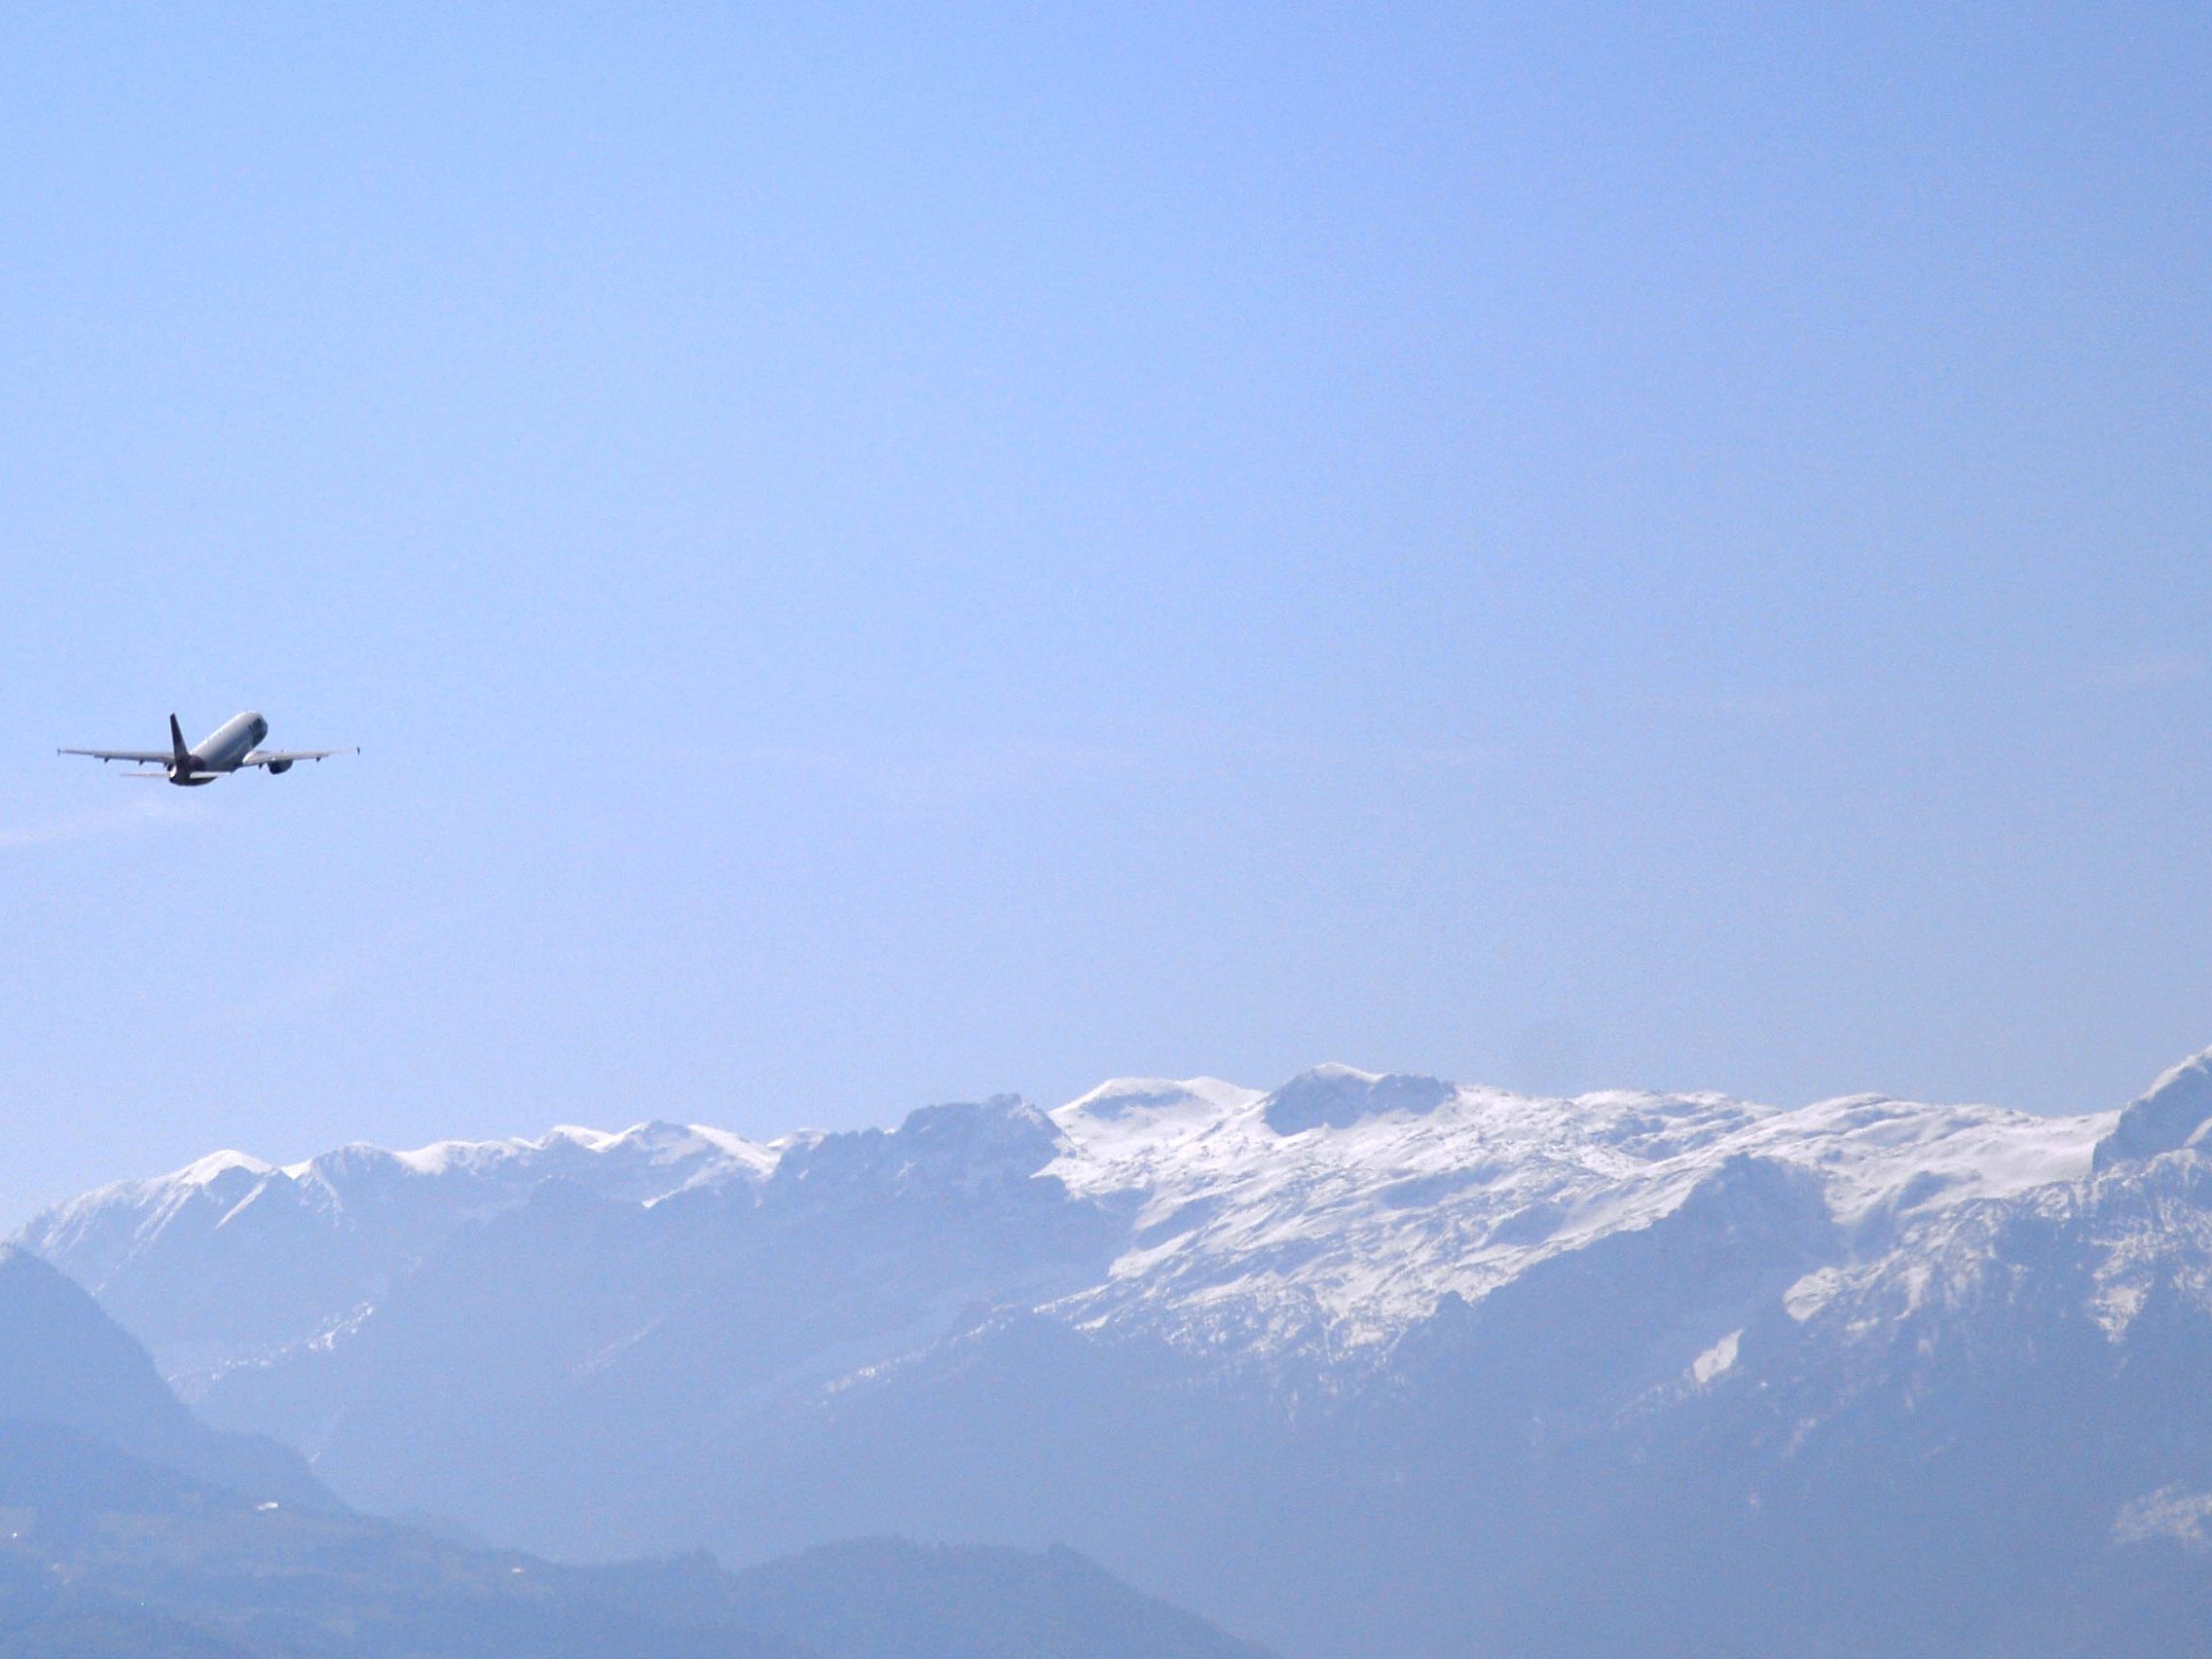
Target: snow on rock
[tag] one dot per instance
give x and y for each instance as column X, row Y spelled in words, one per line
column 1808, row 1295
column 1717, row 1359
column 1343, row 1207
column 2176, row 1107
column 2170, row 1513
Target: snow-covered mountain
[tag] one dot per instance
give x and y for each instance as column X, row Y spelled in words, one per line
column 1362, row 1364
column 1339, row 1210
column 231, row 1258
column 1326, row 1217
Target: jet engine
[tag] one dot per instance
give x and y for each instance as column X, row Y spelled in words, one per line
column 281, row 765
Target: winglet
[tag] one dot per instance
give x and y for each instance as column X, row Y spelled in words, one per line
column 177, row 744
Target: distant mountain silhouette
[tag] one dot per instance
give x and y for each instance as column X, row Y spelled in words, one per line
column 64, row 1362
column 110, row 1555
column 887, row 1598
column 196, row 1546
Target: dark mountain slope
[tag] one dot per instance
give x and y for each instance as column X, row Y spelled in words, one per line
column 129, row 1527
column 885, row 1599
column 41, row 1617
column 106, row 1553
column 64, row 1361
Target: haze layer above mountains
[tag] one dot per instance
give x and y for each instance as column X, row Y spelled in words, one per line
column 1363, row 1364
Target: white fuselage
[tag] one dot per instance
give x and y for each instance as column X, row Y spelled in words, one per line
column 223, row 749
column 229, row 748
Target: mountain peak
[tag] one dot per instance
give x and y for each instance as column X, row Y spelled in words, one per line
column 1119, row 1097
column 998, row 1127
column 2163, row 1119
column 206, row 1172
column 1337, row 1096
column 999, row 1138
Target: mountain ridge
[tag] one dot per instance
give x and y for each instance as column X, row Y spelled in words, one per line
column 1365, row 1363
column 1455, row 1159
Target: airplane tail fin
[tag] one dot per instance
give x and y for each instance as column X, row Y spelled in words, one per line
column 177, row 744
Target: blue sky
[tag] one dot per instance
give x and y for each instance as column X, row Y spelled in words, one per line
column 879, row 555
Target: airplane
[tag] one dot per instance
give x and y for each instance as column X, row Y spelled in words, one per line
column 229, row 748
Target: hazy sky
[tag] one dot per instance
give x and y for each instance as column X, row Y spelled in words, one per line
column 878, row 555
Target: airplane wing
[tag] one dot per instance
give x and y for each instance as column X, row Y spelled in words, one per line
column 285, row 757
column 144, row 756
